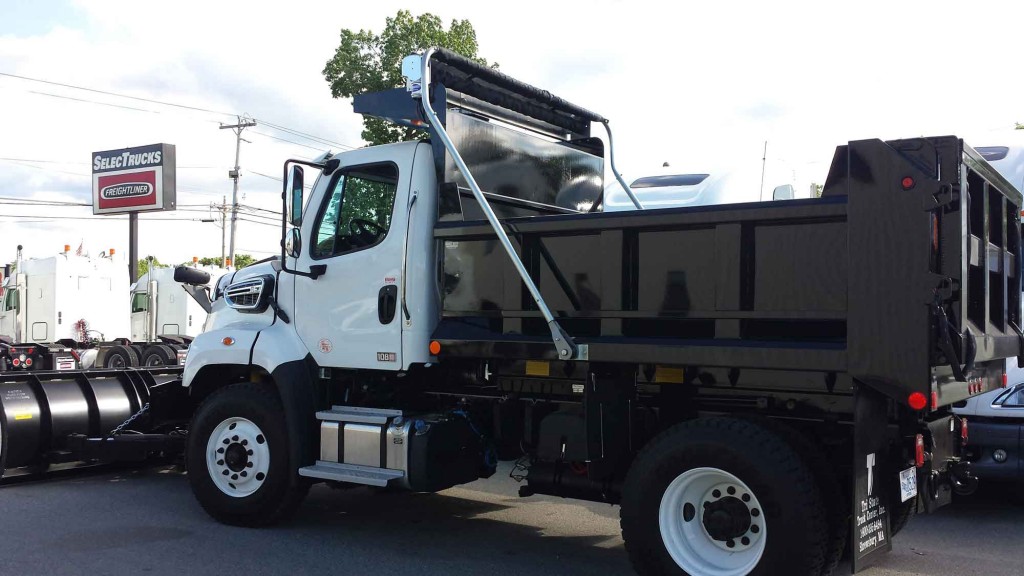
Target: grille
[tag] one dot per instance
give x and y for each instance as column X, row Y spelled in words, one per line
column 245, row 295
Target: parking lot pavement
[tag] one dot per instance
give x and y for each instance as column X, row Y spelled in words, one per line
column 147, row 522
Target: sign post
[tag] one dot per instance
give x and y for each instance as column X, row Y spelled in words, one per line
column 133, row 180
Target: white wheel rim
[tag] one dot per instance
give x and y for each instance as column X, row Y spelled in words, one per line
column 688, row 541
column 237, row 457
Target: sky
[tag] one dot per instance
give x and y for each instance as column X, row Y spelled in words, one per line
column 700, row 85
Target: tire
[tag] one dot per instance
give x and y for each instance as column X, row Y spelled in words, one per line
column 160, row 355
column 837, row 511
column 120, row 357
column 250, row 417
column 687, row 464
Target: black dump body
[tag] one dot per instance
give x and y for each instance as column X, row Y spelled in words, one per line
column 904, row 275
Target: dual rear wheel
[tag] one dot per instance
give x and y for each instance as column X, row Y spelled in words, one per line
column 726, row 497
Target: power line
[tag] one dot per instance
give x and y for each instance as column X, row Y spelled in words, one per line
column 285, row 129
column 95, row 91
column 112, row 105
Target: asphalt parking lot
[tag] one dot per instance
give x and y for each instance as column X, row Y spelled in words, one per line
column 133, row 522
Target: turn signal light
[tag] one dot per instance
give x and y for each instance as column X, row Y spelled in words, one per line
column 228, row 341
column 917, row 401
column 435, row 347
column 919, row 450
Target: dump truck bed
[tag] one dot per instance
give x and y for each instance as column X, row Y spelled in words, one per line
column 904, row 275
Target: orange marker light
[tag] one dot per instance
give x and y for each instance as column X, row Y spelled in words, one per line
column 435, row 347
column 228, row 341
column 110, row 252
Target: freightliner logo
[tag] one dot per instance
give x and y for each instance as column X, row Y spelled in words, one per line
column 126, row 190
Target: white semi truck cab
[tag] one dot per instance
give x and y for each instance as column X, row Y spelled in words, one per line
column 758, row 385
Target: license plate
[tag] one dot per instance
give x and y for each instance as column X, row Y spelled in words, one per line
column 65, row 363
column 908, row 484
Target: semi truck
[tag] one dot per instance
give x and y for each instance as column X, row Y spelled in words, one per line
column 758, row 386
column 69, row 312
column 166, row 312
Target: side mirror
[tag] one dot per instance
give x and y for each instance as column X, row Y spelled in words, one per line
column 784, row 192
column 191, row 276
column 293, row 244
column 296, row 203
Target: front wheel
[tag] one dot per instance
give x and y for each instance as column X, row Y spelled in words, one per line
column 722, row 497
column 237, row 457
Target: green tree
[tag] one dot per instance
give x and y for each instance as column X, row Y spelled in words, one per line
column 148, row 261
column 369, row 62
column 241, row 261
column 1018, row 126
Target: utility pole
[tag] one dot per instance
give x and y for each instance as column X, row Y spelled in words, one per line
column 242, row 124
column 223, row 228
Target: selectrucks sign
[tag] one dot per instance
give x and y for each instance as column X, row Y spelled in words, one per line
column 133, row 179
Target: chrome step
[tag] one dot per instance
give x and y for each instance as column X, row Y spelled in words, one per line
column 357, row 415
column 352, row 473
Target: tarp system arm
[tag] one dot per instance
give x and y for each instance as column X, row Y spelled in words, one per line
column 419, row 87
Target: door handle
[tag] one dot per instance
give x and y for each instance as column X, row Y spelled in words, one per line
column 387, row 300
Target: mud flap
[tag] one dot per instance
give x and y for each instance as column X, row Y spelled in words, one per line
column 870, row 531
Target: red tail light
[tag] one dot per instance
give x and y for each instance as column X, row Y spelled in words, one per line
column 919, row 450
column 16, row 362
column 1005, row 381
column 917, row 401
column 963, row 431
column 28, row 362
column 30, row 351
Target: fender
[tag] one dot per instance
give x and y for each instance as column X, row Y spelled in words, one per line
column 209, row 349
column 277, row 344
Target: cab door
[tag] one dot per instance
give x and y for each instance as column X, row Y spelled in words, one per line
column 355, row 226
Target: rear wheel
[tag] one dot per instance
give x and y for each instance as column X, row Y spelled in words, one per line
column 723, row 497
column 120, row 357
column 160, row 355
column 238, row 457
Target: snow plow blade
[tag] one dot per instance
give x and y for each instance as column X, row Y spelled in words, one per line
column 57, row 420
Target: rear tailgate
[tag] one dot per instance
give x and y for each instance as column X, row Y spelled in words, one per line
column 935, row 257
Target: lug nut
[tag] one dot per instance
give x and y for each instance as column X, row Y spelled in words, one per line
column 249, row 452
column 731, row 544
column 248, row 464
column 220, row 462
column 225, row 472
column 245, row 442
column 731, row 491
column 745, row 541
column 226, row 441
column 745, row 497
column 260, row 476
column 754, row 528
column 220, row 450
column 717, row 493
column 755, row 512
column 243, row 473
column 234, row 438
